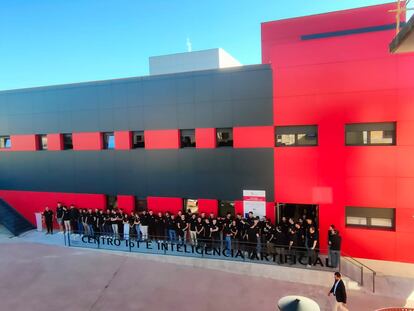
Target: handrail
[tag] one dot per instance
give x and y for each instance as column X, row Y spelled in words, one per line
column 360, row 265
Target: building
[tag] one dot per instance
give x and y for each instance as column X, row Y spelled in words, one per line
column 191, row 61
column 324, row 125
column 334, row 71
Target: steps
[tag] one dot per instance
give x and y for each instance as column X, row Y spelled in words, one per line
column 12, row 220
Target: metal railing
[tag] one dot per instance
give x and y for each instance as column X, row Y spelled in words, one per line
column 357, row 271
column 241, row 251
column 233, row 250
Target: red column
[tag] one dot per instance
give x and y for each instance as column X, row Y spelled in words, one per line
column 254, row 137
column 126, row 203
column 205, row 137
column 123, row 140
column 208, row 206
column 24, row 142
column 162, row 139
column 87, row 141
column 238, row 208
column 54, row 142
column 158, row 204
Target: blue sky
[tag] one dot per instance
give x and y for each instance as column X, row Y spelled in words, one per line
column 44, row 42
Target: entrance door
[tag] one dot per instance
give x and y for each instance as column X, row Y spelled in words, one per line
column 296, row 211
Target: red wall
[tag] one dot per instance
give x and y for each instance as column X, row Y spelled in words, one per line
column 123, row 140
column 331, row 82
column 208, row 206
column 28, row 202
column 24, row 142
column 254, row 137
column 160, row 204
column 87, row 141
column 126, row 203
column 162, row 139
column 205, row 137
column 54, row 142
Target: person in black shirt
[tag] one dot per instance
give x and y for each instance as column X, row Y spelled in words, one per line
column 172, row 228
column 100, row 222
column 193, row 230
column 207, row 232
column 120, row 223
column 335, row 248
column 234, row 229
column 48, row 219
column 199, row 230
column 74, row 216
column 268, row 232
column 90, row 220
column 66, row 219
column 293, row 241
column 182, row 227
column 59, row 216
column 228, row 235
column 144, row 225
column 151, row 225
column 131, row 223
column 312, row 246
column 160, row 226
column 253, row 233
column 215, row 233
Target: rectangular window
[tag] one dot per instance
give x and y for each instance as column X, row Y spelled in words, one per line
column 187, row 138
column 5, row 142
column 190, row 204
column 42, row 141
column 140, row 205
column 370, row 217
column 109, row 140
column 305, row 135
column 224, row 137
column 67, row 141
column 374, row 134
column 138, row 139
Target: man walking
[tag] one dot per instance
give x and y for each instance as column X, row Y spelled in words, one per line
column 339, row 291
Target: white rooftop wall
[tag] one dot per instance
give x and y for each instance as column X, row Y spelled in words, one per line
column 191, row 61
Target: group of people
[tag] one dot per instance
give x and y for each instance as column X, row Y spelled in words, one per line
column 247, row 233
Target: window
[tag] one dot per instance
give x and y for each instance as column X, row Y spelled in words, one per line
column 187, row 138
column 225, row 207
column 363, row 134
column 111, row 202
column 367, row 217
column 224, row 137
column 108, row 140
column 138, row 139
column 42, row 141
column 306, row 135
column 67, row 142
column 190, row 204
column 140, row 205
column 5, row 142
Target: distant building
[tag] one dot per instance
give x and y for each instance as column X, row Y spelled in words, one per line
column 191, row 61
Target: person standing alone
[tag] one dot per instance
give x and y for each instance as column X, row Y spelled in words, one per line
column 339, row 291
column 48, row 218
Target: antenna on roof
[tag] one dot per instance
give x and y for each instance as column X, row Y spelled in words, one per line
column 189, row 45
column 401, row 8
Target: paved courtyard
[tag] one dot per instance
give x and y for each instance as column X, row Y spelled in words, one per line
column 48, row 277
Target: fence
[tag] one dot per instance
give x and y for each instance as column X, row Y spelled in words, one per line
column 263, row 253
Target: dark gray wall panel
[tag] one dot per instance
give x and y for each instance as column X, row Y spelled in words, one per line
column 213, row 98
column 212, row 173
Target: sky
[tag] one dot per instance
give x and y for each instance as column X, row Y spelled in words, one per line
column 46, row 42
